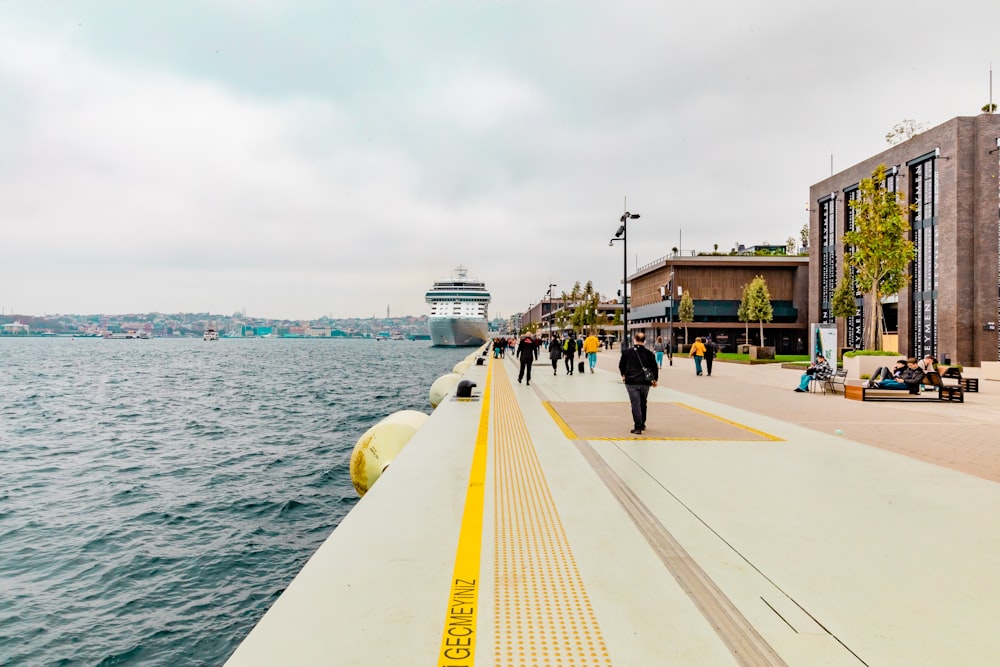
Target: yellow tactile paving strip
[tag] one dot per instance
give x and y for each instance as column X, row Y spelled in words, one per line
column 542, row 614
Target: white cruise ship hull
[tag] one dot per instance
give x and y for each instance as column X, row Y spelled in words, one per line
column 457, row 331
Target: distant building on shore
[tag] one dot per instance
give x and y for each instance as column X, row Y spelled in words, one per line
column 14, row 328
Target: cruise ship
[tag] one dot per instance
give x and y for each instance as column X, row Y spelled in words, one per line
column 458, row 311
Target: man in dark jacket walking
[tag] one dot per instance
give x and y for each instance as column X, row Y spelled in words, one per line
column 639, row 372
column 526, row 353
column 710, row 349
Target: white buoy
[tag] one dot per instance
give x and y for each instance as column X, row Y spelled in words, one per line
column 461, row 367
column 380, row 444
column 442, row 386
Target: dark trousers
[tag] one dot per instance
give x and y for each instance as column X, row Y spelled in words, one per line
column 569, row 363
column 637, row 394
column 708, row 364
column 525, row 366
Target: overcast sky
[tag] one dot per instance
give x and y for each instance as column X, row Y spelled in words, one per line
column 307, row 158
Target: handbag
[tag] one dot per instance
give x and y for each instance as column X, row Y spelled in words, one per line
column 645, row 371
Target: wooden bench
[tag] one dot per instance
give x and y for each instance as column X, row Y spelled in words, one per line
column 967, row 384
column 943, row 392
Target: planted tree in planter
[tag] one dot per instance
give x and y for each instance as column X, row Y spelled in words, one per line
column 685, row 312
column 878, row 248
column 759, row 307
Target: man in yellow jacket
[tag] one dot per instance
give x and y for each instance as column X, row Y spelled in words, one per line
column 590, row 347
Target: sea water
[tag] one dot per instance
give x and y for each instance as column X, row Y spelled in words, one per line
column 156, row 496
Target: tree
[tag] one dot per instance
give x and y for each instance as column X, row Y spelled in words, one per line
column 990, row 108
column 804, row 236
column 685, row 312
column 585, row 314
column 904, row 130
column 878, row 249
column 741, row 314
column 842, row 304
column 759, row 303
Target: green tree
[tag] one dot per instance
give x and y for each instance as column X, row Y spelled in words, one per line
column 741, row 314
column 685, row 312
column 804, row 235
column 589, row 307
column 759, row 303
column 842, row 304
column 878, row 249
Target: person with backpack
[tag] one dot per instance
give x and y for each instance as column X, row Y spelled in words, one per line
column 555, row 352
column 569, row 351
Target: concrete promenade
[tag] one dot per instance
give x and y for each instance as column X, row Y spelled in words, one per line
column 529, row 527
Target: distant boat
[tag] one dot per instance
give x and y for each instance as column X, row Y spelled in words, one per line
column 211, row 334
column 458, row 311
column 132, row 333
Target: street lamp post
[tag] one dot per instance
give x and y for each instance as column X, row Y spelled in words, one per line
column 622, row 235
column 551, row 285
column 667, row 291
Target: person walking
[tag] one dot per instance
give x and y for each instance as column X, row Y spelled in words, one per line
column 569, row 351
column 698, row 354
column 710, row 349
column 526, row 352
column 555, row 352
column 658, row 351
column 639, row 372
column 590, row 347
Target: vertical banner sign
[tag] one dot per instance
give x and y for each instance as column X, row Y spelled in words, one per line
column 823, row 340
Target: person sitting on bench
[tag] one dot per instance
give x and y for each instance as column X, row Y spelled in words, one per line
column 910, row 378
column 883, row 373
column 818, row 371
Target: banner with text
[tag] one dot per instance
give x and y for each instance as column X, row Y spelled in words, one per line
column 823, row 340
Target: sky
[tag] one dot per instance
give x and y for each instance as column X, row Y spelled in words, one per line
column 295, row 159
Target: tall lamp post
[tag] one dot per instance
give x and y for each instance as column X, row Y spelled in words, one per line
column 622, row 235
column 667, row 292
column 551, row 285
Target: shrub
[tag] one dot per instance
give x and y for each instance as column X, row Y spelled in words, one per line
column 871, row 353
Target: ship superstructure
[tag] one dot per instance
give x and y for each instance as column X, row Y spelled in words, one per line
column 458, row 316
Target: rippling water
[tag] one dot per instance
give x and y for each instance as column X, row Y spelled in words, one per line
column 156, row 496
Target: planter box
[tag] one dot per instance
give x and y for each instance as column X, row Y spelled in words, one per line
column 866, row 365
column 989, row 370
column 761, row 353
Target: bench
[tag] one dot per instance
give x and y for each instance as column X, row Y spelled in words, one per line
column 837, row 379
column 967, row 384
column 943, row 392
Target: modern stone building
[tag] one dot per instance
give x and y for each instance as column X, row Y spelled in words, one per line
column 952, row 305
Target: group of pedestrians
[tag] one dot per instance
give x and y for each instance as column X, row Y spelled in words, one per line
column 703, row 351
column 568, row 349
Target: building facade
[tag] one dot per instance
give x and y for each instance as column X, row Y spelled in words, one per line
column 952, row 303
column 716, row 284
